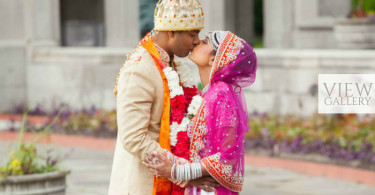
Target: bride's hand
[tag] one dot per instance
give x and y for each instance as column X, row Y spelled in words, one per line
column 206, row 183
column 162, row 169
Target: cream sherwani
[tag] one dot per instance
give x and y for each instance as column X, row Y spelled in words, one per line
column 140, row 102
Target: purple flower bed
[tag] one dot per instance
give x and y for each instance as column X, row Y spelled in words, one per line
column 88, row 122
column 339, row 137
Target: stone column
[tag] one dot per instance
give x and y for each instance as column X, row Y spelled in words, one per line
column 244, row 19
column 12, row 55
column 219, row 15
column 278, row 23
column 122, row 23
column 12, row 22
column 45, row 22
column 235, row 16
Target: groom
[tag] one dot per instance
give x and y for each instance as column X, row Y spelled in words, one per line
column 142, row 103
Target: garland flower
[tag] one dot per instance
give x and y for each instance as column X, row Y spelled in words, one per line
column 185, row 102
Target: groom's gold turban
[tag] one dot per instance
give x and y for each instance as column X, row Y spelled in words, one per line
column 178, row 15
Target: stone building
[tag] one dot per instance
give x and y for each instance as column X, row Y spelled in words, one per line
column 70, row 51
column 302, row 23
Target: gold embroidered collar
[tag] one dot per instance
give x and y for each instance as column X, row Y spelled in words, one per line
column 163, row 54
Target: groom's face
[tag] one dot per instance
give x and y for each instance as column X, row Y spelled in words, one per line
column 183, row 42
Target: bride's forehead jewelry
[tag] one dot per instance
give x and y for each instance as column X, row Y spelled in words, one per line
column 213, row 40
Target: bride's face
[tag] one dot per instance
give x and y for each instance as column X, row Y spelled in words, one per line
column 203, row 54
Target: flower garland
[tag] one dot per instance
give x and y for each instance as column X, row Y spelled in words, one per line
column 185, row 102
column 181, row 97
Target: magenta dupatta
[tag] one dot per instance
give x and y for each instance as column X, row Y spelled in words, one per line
column 218, row 130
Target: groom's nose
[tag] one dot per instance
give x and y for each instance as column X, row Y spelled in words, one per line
column 195, row 45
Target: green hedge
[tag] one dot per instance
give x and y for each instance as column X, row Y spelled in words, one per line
column 368, row 5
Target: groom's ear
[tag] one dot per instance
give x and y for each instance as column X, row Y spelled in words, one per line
column 171, row 34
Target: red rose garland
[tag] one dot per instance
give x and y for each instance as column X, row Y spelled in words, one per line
column 178, row 107
column 182, row 110
column 183, row 141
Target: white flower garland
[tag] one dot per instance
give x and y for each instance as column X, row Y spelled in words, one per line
column 174, row 86
column 194, row 105
column 176, row 89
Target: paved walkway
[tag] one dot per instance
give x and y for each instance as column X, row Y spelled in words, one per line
column 91, row 172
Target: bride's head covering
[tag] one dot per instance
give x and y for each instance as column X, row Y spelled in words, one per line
column 226, row 116
column 235, row 61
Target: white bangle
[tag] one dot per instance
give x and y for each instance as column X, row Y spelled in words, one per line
column 190, row 172
column 193, row 175
column 196, row 170
column 190, row 175
column 182, row 173
column 199, row 169
column 187, row 172
column 179, row 173
column 172, row 172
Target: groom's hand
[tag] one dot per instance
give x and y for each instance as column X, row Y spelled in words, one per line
column 206, row 183
column 163, row 166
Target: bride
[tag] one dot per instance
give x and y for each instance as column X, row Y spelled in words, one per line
column 226, row 64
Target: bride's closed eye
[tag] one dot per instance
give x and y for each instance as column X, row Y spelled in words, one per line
column 204, row 41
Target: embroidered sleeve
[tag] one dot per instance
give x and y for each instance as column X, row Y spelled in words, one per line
column 223, row 173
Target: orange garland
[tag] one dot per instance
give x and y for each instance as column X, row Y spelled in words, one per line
column 161, row 186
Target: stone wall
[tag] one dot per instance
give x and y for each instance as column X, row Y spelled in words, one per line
column 285, row 79
column 76, row 76
column 13, row 86
column 35, row 69
column 302, row 23
column 12, row 54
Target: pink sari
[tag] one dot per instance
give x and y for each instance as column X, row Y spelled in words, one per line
column 218, row 130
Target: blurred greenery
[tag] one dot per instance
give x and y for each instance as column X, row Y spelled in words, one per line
column 338, row 128
column 368, row 5
column 339, row 136
column 258, row 17
column 258, row 24
column 147, row 8
column 348, row 136
column 258, row 42
column 23, row 160
column 200, row 86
